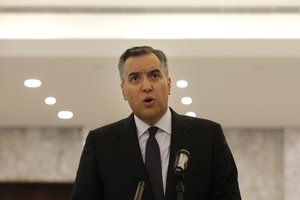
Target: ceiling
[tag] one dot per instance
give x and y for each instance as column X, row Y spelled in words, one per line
column 247, row 81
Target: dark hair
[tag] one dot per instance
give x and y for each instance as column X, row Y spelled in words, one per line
column 139, row 51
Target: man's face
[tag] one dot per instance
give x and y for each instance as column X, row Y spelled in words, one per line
column 146, row 87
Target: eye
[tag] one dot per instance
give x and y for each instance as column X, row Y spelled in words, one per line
column 134, row 78
column 155, row 75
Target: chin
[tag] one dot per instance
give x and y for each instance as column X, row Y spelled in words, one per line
column 150, row 117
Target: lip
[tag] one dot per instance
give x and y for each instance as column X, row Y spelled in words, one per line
column 149, row 101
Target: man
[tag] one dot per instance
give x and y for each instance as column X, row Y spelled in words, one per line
column 119, row 155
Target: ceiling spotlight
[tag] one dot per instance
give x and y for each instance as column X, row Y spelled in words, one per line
column 32, row 83
column 65, row 114
column 186, row 100
column 191, row 114
column 182, row 83
column 50, row 100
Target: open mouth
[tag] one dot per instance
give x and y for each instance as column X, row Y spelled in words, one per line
column 148, row 100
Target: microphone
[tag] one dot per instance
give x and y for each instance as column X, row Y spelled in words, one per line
column 139, row 190
column 181, row 161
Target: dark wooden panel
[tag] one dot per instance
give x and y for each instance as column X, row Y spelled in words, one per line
column 35, row 191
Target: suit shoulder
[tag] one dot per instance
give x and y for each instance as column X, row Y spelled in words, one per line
column 195, row 121
column 109, row 128
column 202, row 128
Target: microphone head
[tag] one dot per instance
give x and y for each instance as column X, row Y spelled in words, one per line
column 180, row 164
column 184, row 151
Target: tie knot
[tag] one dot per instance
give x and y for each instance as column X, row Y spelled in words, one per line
column 152, row 130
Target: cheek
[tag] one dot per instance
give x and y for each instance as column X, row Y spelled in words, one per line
column 129, row 95
column 164, row 92
column 127, row 91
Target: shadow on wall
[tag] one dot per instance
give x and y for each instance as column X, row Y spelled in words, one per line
column 35, row 191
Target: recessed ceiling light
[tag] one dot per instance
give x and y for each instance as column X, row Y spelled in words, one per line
column 65, row 114
column 186, row 100
column 182, row 83
column 191, row 114
column 32, row 83
column 50, row 100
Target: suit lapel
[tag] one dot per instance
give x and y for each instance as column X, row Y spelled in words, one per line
column 129, row 150
column 180, row 139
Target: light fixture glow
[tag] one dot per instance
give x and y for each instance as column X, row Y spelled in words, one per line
column 182, row 83
column 50, row 100
column 65, row 114
column 192, row 26
column 32, row 83
column 186, row 100
column 191, row 114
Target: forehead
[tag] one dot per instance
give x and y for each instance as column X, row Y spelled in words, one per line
column 143, row 62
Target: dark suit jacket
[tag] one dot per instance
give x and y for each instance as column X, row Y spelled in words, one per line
column 111, row 164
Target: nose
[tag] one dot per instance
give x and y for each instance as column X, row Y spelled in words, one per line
column 146, row 85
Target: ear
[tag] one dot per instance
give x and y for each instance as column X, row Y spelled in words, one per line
column 169, row 85
column 123, row 91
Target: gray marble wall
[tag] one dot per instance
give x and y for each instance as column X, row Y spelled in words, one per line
column 258, row 155
column 267, row 159
column 291, row 162
column 39, row 154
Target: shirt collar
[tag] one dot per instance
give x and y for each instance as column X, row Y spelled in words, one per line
column 164, row 124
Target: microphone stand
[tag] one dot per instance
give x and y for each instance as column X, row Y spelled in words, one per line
column 180, row 165
column 139, row 190
column 180, row 186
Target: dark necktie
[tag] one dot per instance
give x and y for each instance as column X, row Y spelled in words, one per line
column 153, row 164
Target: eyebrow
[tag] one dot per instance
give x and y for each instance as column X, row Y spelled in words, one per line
column 133, row 74
column 137, row 73
column 152, row 71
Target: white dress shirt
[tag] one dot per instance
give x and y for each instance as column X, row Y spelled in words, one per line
column 163, row 137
